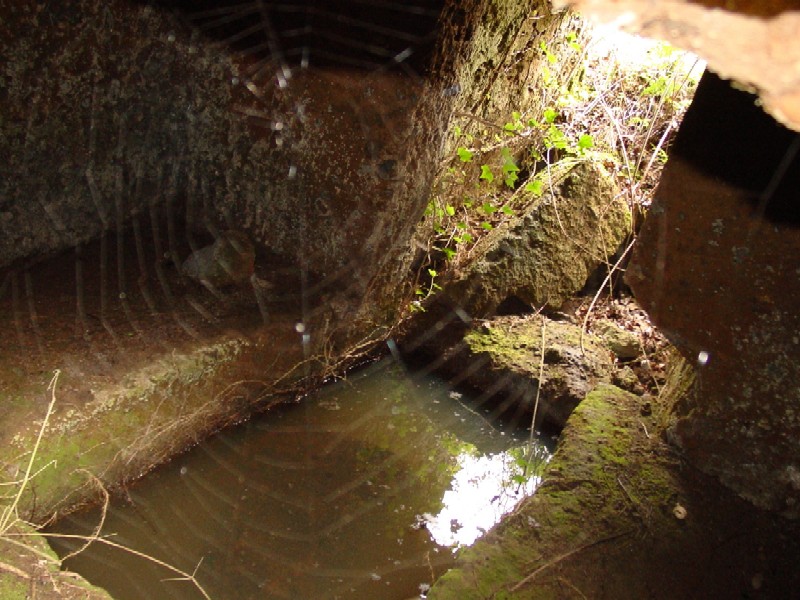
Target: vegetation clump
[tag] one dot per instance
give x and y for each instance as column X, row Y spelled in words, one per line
column 596, row 105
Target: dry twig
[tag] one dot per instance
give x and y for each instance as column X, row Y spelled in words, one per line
column 531, row 576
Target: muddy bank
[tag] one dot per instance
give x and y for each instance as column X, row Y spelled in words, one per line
column 35, row 572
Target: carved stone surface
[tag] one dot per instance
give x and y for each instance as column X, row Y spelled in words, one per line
column 717, row 267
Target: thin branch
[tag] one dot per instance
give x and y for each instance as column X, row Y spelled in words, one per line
column 600, row 290
column 96, row 533
column 531, row 576
column 10, row 511
column 184, row 576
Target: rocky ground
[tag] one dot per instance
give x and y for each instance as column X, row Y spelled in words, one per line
column 620, row 514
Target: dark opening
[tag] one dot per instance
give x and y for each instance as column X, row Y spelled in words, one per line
column 744, row 147
column 319, row 33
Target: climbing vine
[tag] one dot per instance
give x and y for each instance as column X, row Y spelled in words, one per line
column 592, row 105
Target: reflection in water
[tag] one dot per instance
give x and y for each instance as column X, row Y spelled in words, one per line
column 355, row 492
column 483, row 489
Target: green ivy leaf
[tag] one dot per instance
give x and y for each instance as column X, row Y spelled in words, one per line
column 488, row 209
column 657, row 88
column 510, row 168
column 507, row 211
column 450, row 210
column 549, row 115
column 547, row 77
column 464, row 154
column 511, row 178
column 535, row 187
column 556, row 138
column 486, row 173
column 585, row 142
column 551, row 58
column 487, row 226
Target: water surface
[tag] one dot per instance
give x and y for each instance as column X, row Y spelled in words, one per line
column 363, row 490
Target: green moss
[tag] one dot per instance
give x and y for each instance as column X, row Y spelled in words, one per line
column 517, row 344
column 123, row 431
column 503, row 345
column 600, row 482
column 13, row 588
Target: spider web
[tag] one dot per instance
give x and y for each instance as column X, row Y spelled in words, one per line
column 131, row 284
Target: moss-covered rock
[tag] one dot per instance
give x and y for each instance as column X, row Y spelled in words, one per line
column 618, row 516
column 546, row 253
column 505, row 354
column 595, row 483
column 105, row 431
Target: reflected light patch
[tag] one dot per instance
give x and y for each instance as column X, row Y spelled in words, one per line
column 482, row 491
column 634, row 52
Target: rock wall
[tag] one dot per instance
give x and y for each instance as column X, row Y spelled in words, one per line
column 717, row 267
column 101, row 118
column 139, row 140
column 116, row 109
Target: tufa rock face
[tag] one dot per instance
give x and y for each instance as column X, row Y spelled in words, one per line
column 103, row 119
column 546, row 254
column 718, row 269
column 106, row 127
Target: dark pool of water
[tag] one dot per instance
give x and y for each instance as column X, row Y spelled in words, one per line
column 360, row 491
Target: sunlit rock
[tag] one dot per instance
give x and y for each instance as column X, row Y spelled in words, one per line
column 504, row 355
column 623, row 343
column 546, row 253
